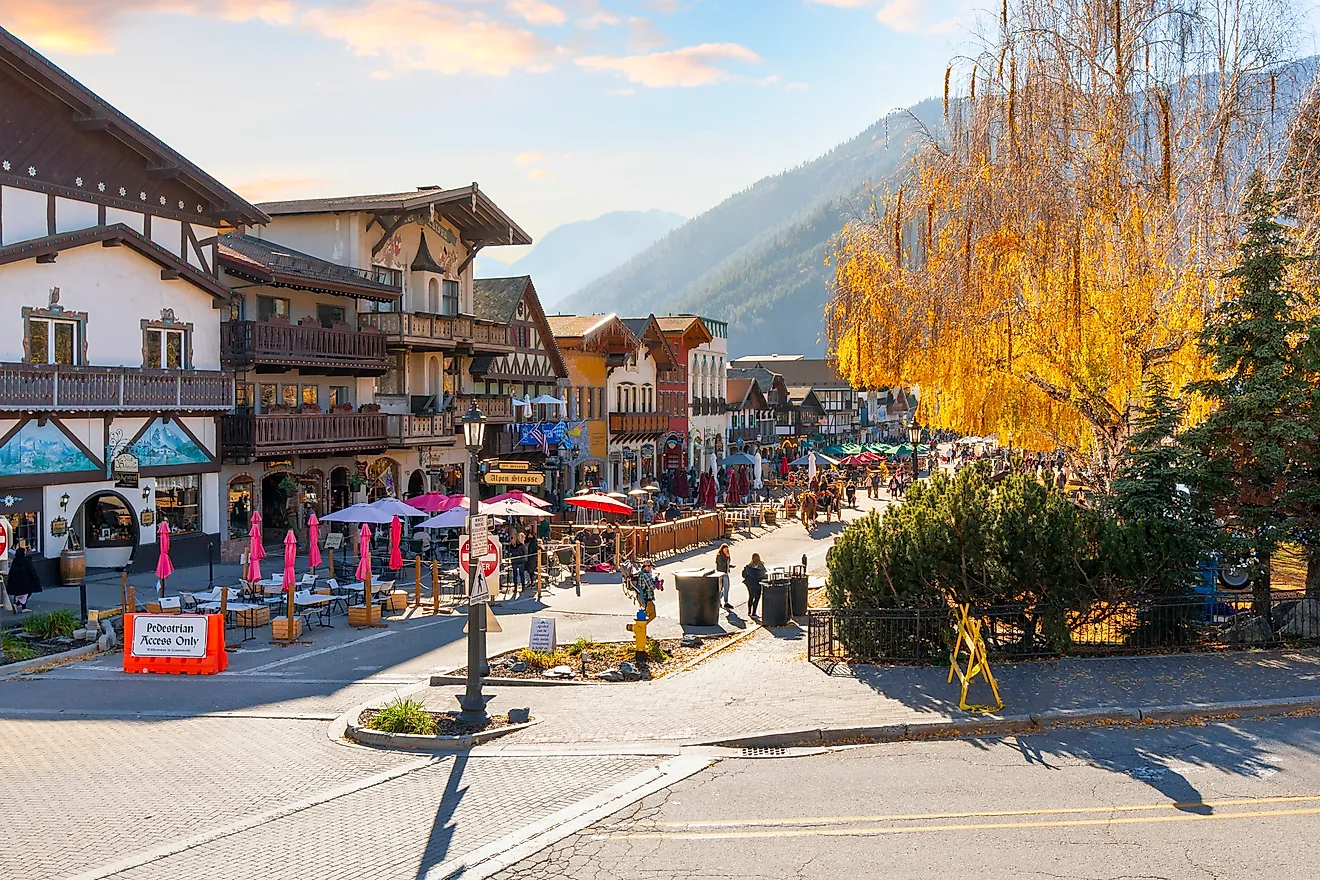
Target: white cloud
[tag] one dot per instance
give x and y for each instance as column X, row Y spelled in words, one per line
column 419, row 35
column 538, row 174
column 537, row 12
column 681, row 68
column 901, row 15
column 530, row 158
column 644, row 36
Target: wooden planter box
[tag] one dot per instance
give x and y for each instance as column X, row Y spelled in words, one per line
column 398, row 601
column 364, row 616
column 254, row 617
column 770, row 516
column 279, row 629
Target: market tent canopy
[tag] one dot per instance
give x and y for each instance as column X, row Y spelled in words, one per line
column 359, row 513
column 739, row 458
column 821, row 460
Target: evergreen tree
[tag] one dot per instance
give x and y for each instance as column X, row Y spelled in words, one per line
column 1166, row 527
column 1258, row 391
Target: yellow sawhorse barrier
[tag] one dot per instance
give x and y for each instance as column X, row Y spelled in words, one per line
column 969, row 637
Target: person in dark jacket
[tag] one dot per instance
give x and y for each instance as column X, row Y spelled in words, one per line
column 753, row 574
column 23, row 580
column 723, row 562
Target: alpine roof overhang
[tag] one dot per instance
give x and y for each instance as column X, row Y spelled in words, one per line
column 476, row 215
column 95, row 113
column 113, row 235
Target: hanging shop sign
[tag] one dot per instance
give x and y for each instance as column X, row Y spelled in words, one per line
column 147, row 517
column 125, row 469
column 59, row 527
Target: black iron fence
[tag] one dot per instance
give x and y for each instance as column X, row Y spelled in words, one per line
column 925, row 635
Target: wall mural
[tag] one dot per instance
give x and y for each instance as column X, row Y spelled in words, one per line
column 167, row 445
column 42, row 449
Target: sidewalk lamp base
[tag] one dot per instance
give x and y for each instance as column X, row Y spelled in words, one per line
column 473, row 711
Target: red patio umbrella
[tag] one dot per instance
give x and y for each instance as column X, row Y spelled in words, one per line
column 603, row 503
column 164, row 567
column 396, row 557
column 783, row 466
column 313, row 542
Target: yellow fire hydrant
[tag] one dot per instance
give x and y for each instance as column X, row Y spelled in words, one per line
column 638, row 629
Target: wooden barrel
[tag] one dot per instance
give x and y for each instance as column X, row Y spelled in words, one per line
column 73, row 567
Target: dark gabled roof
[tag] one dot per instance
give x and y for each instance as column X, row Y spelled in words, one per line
column 813, row 372
column 424, row 262
column 765, row 379
column 98, row 115
column 474, row 213
column 270, row 262
column 109, row 236
column 496, row 299
column 639, row 327
column 744, row 393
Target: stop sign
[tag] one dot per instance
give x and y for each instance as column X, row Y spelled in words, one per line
column 490, row 563
column 4, row 537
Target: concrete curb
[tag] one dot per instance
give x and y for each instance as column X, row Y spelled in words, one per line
column 998, row 725
column 25, row 666
column 418, row 743
column 441, row 679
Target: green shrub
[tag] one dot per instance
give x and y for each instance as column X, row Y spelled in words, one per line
column 590, row 646
column 14, row 649
column 403, row 716
column 655, row 652
column 54, row 624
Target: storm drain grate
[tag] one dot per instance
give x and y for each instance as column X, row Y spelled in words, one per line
column 763, row 752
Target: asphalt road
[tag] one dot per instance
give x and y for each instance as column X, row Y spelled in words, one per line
column 1228, row 800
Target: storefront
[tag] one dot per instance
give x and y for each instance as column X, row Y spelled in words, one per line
column 23, row 509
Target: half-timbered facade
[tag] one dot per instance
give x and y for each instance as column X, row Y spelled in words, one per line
column 110, row 372
column 533, row 368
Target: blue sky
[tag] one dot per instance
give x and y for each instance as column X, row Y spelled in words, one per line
column 561, row 109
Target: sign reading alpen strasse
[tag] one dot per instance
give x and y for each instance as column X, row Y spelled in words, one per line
column 169, row 635
column 512, row 473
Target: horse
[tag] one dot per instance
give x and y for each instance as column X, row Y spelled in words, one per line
column 808, row 510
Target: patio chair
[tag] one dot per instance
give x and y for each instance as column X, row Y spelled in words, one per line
column 188, row 603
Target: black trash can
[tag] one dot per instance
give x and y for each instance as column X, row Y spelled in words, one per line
column 698, row 597
column 774, row 603
column 797, row 589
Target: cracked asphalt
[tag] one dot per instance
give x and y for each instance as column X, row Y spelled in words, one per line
column 1221, row 801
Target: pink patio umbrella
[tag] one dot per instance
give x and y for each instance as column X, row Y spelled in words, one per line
column 396, row 556
column 164, row 567
column 431, row 502
column 290, row 554
column 313, row 542
column 363, row 572
column 256, row 552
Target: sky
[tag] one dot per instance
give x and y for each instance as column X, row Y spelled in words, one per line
column 562, row 110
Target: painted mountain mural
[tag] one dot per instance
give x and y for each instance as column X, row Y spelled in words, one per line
column 166, row 445
column 42, row 449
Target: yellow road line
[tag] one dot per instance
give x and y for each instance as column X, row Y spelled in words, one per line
column 911, row 817
column 968, row 826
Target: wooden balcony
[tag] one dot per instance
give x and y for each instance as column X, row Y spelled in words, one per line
column 496, row 407
column 409, row 430
column 311, row 349
column 66, row 388
column 245, row 437
column 421, row 331
column 638, row 423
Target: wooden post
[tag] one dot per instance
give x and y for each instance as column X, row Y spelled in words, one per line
column 130, row 600
column 123, row 593
column 618, row 540
column 224, row 612
column 417, row 582
column 435, row 586
column 577, row 561
column 538, row 571
column 370, row 608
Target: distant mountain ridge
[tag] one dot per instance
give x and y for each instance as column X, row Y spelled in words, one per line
column 568, row 257
column 757, row 259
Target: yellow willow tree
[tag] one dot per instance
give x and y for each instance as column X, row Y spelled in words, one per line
column 1064, row 231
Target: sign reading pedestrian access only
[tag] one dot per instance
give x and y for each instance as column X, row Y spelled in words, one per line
column 175, row 643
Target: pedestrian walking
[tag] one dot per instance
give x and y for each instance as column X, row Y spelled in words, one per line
column 723, row 562
column 647, row 584
column 531, row 556
column 23, row 579
column 753, row 575
column 516, row 559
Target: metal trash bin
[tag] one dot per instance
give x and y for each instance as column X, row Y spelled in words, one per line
column 797, row 590
column 698, row 597
column 774, row 602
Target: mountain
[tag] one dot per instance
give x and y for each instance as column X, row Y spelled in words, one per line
column 569, row 256
column 757, row 259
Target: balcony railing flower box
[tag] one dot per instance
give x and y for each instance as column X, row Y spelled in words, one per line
column 424, row 330
column 246, row 436
column 69, row 388
column 309, row 347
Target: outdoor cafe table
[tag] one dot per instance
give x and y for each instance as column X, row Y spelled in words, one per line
column 315, row 603
column 232, row 611
column 376, row 588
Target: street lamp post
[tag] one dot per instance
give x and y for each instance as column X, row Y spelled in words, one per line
column 472, row 702
column 914, row 437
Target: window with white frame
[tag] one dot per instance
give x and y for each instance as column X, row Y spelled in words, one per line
column 54, row 339
column 165, row 347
